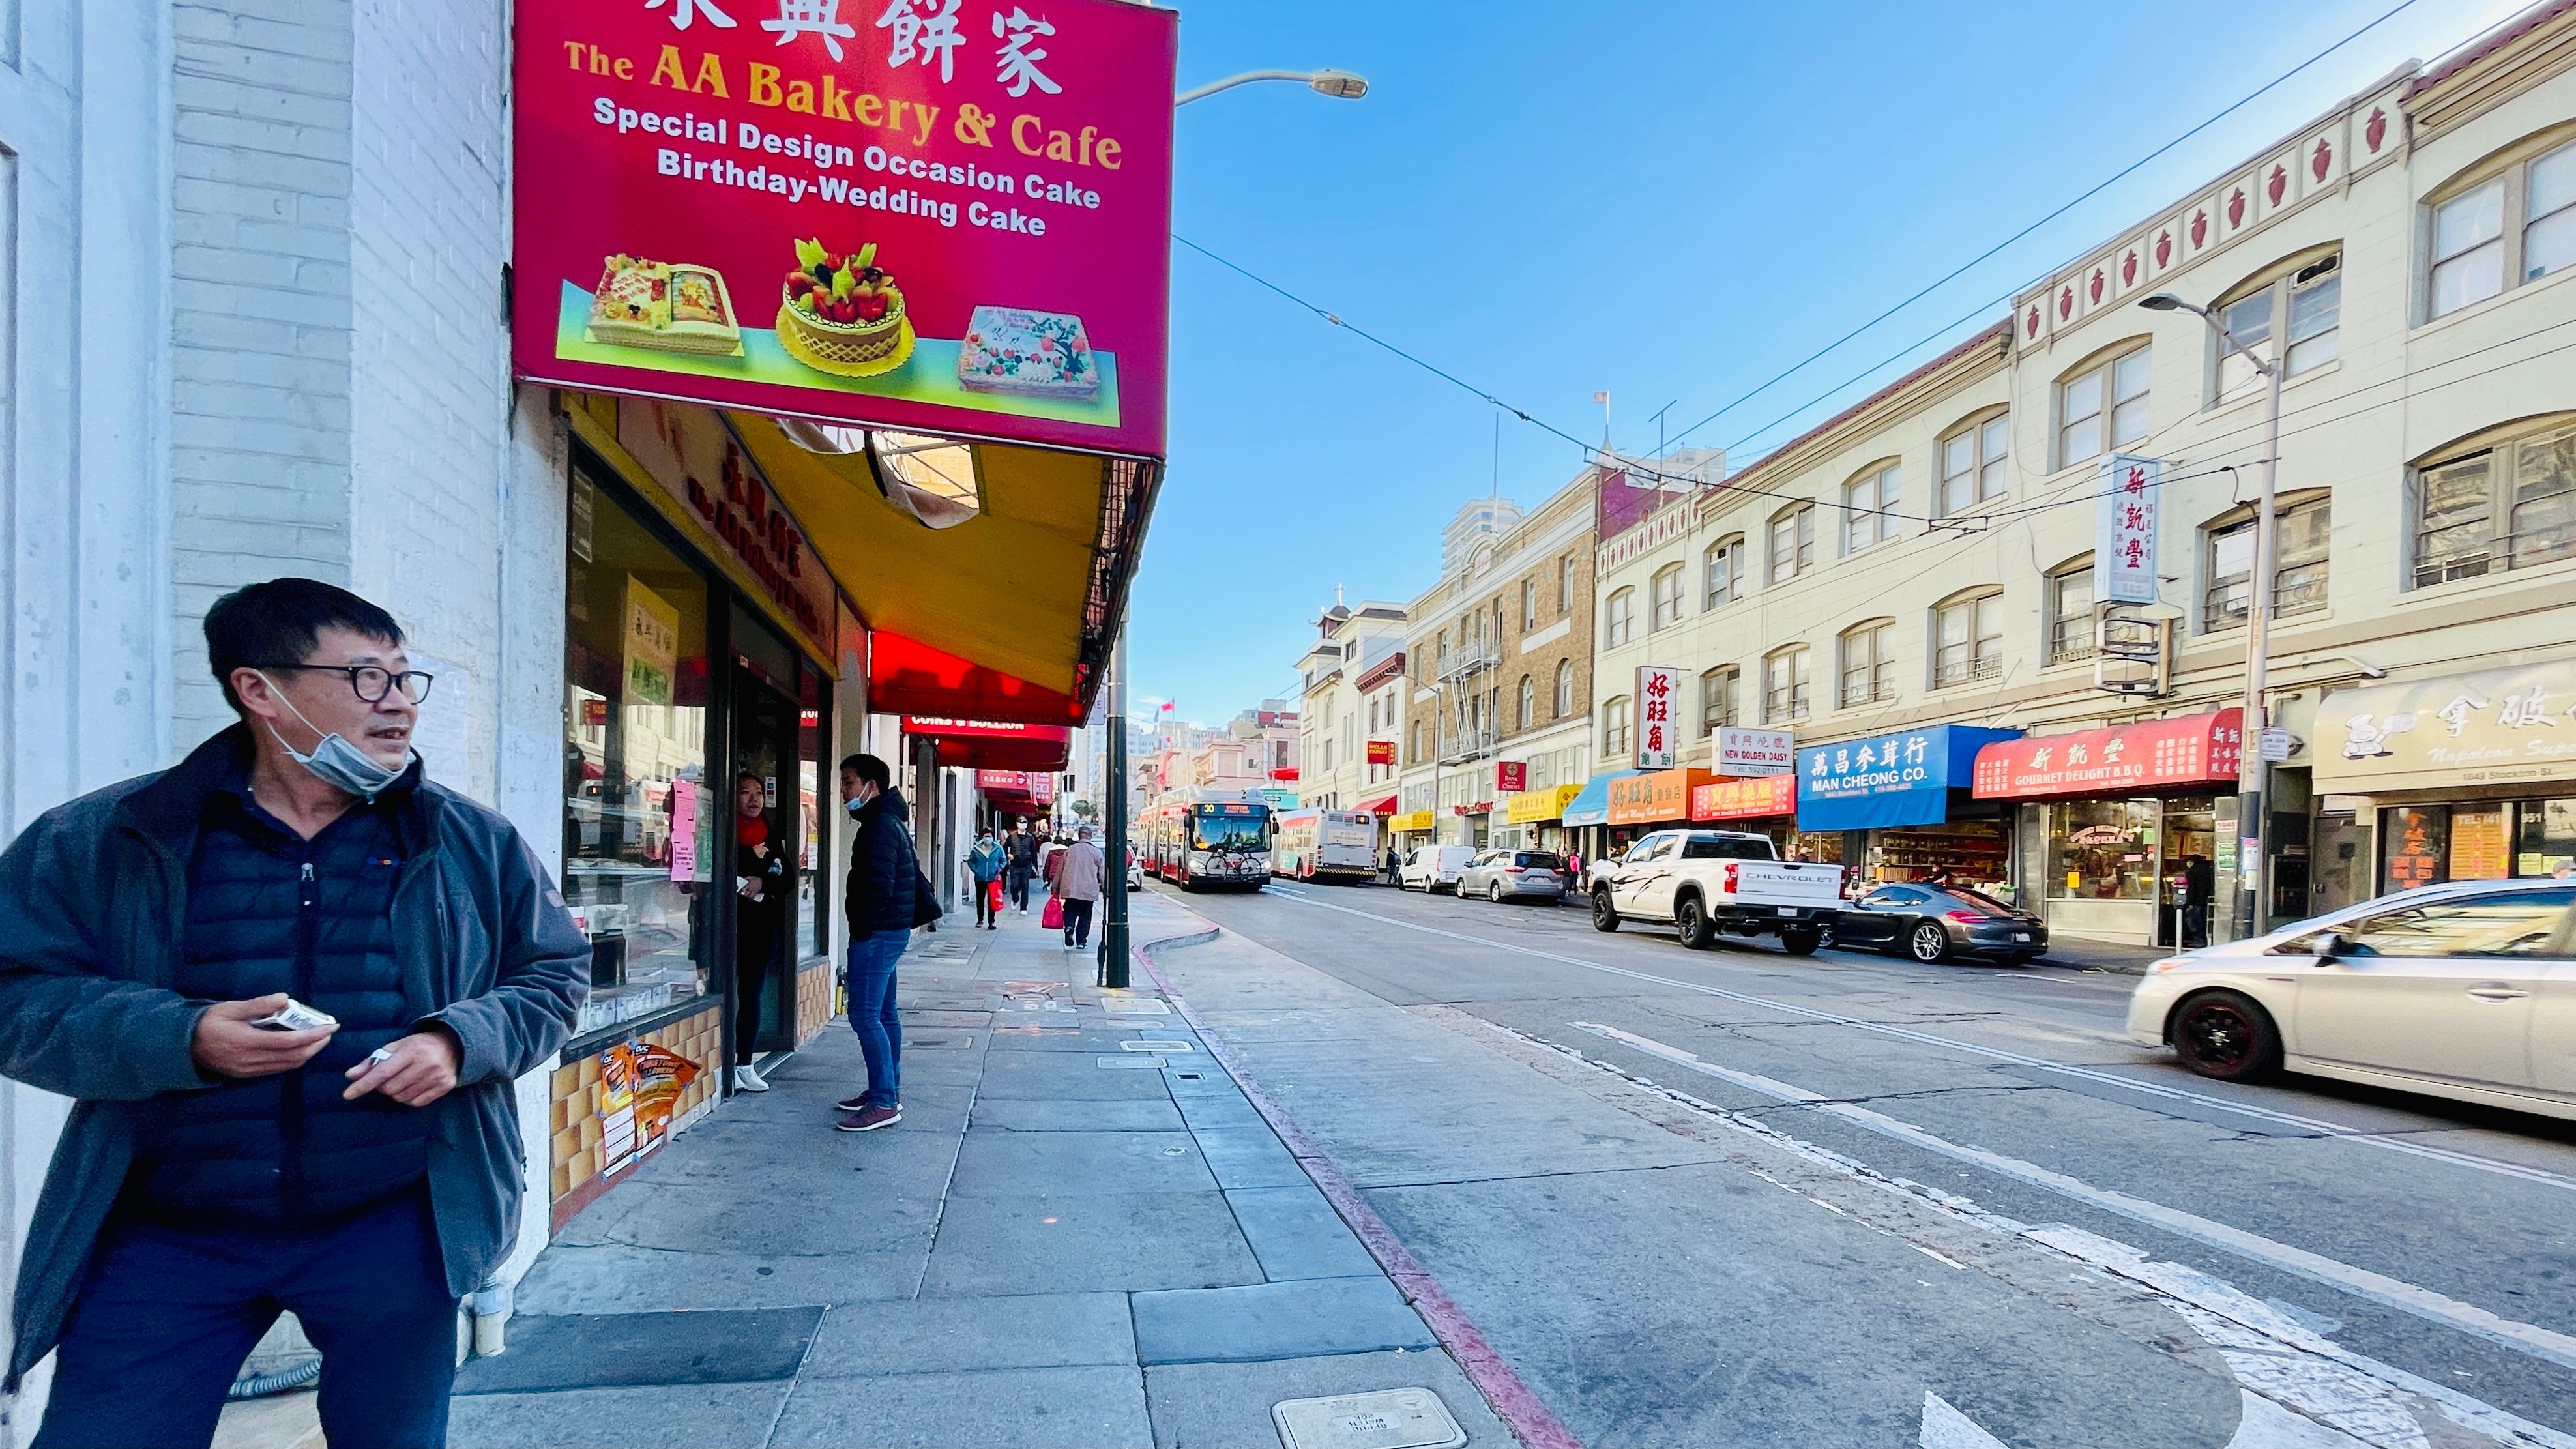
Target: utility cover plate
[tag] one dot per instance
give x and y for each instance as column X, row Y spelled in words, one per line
column 1386, row 1419
column 1134, row 1006
column 1156, row 1046
column 1131, row 1062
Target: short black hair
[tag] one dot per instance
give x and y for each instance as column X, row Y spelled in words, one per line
column 277, row 623
column 870, row 769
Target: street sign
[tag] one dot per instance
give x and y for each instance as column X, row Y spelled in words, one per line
column 1744, row 752
column 1657, row 686
column 2278, row 745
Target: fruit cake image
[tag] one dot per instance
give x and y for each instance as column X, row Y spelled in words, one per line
column 841, row 313
column 665, row 306
column 1036, row 354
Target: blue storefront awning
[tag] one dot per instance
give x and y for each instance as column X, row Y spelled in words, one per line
column 1901, row 778
column 1592, row 807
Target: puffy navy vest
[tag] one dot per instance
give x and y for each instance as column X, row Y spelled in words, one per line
column 269, row 911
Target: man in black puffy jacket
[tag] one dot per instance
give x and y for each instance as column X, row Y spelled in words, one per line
column 880, row 899
column 361, row 1169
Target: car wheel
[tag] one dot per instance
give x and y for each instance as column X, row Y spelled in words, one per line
column 1928, row 943
column 1494, row 893
column 1801, row 942
column 1605, row 916
column 1698, row 931
column 2226, row 1035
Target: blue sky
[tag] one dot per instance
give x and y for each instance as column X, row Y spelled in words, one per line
column 1670, row 202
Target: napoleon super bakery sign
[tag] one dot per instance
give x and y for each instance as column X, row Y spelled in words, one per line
column 950, row 216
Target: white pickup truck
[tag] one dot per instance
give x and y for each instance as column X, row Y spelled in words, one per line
column 1707, row 881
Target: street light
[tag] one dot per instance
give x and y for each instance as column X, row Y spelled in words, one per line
column 2252, row 771
column 1341, row 85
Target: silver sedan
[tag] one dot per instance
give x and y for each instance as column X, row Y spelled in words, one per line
column 1501, row 875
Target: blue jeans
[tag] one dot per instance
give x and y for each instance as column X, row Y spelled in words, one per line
column 167, row 1314
column 872, row 1013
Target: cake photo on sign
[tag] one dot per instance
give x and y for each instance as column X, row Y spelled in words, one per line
column 843, row 314
column 666, row 306
column 1040, row 354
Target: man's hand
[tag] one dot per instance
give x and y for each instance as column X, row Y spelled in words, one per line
column 415, row 1070
column 226, row 1044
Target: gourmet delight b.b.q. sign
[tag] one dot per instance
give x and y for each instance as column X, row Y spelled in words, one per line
column 947, row 216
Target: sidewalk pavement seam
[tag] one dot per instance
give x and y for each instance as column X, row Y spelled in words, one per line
column 1511, row 1399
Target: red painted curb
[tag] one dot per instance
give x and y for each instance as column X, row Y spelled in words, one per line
column 1511, row 1400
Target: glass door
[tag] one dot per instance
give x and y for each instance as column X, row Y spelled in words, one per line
column 764, row 841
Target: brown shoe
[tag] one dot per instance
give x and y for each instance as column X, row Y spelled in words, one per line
column 869, row 1119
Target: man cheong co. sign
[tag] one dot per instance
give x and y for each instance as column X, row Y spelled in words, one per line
column 951, row 216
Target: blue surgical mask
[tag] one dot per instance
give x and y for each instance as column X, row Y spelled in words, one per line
column 336, row 762
column 854, row 807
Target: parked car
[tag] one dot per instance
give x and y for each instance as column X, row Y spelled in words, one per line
column 1705, row 882
column 1500, row 875
column 1135, row 871
column 1433, row 867
column 1936, row 923
column 2463, row 990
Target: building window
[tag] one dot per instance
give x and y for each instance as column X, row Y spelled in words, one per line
column 1793, row 543
column 1415, row 752
column 1784, row 686
column 2507, row 506
column 2299, row 573
column 2508, row 229
column 1564, row 688
column 2105, row 405
column 1620, row 619
column 1529, row 605
column 1974, row 464
column 1967, row 640
column 1614, row 728
column 1868, row 509
column 2070, row 615
column 1529, row 703
column 1716, row 700
column 1722, row 573
column 1664, row 598
column 1565, row 584
column 1869, row 663
column 2305, row 304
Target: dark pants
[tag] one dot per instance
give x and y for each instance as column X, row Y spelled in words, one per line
column 873, row 1015
column 984, row 911
column 2195, row 924
column 167, row 1314
column 750, row 983
column 1019, row 878
column 1077, row 921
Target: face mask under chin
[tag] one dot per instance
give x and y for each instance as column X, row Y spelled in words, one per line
column 336, row 762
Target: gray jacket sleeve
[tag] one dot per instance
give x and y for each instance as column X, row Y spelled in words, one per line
column 538, row 987
column 66, row 1026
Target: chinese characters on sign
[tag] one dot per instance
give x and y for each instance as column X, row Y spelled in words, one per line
column 2124, row 550
column 2196, row 750
column 1657, row 687
column 1902, row 778
column 2500, row 727
column 1743, row 751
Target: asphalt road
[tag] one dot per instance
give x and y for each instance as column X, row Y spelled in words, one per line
column 1736, row 1197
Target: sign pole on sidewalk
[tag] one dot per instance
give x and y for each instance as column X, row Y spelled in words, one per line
column 1113, row 923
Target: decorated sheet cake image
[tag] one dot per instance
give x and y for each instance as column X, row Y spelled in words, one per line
column 842, row 314
column 665, row 306
column 1037, row 354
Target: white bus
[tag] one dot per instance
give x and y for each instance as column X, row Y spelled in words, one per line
column 1325, row 845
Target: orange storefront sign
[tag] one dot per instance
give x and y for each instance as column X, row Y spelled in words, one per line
column 1652, row 799
column 1745, row 799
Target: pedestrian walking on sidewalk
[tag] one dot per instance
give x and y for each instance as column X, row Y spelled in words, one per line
column 882, row 900
column 360, row 1169
column 1394, row 863
column 1020, row 863
column 1078, row 875
column 984, row 866
column 759, row 919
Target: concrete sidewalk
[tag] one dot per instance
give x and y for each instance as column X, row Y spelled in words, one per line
column 1081, row 1233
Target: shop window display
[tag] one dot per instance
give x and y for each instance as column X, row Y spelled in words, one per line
column 2103, row 850
column 2545, row 836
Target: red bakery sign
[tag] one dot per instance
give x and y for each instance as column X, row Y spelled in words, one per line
column 1745, row 799
column 2198, row 750
column 951, row 216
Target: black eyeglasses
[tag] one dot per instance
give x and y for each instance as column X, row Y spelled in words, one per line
column 370, row 682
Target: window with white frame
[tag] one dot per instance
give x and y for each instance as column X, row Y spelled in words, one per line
column 2305, row 305
column 1967, row 640
column 1784, row 685
column 1614, row 728
column 1664, row 598
column 2299, row 564
column 1564, row 689
column 2103, row 407
column 1869, row 508
column 1975, row 464
column 1619, row 618
column 1717, row 699
column 1868, row 662
column 2515, row 226
column 1529, row 703
column 1529, row 605
column 1565, row 584
column 1722, row 572
column 2506, row 505
column 1793, row 543
column 2071, row 634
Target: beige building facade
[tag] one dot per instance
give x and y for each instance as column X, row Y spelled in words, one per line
column 1929, row 557
column 1339, row 716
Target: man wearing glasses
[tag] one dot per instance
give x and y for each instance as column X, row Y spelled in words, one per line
column 289, row 985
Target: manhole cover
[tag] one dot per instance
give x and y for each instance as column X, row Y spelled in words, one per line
column 939, row 1043
column 1030, row 988
column 1387, row 1419
column 1131, row 1061
column 1155, row 1046
column 1135, row 1008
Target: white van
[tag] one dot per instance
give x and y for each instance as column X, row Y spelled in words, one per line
column 1433, row 867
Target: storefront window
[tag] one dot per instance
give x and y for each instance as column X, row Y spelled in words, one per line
column 1961, row 852
column 2418, row 848
column 2546, row 836
column 638, row 819
column 813, row 800
column 2103, row 850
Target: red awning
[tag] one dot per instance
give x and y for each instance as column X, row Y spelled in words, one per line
column 2135, row 759
column 989, row 744
column 909, row 677
column 1379, row 807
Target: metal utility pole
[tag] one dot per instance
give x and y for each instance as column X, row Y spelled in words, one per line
column 1113, row 918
